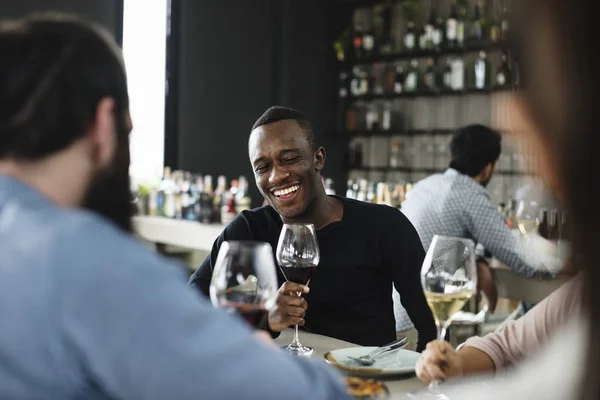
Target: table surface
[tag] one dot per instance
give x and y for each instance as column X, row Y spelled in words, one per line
column 322, row 344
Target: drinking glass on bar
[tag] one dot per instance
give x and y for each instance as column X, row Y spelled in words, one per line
column 298, row 256
column 245, row 280
column 449, row 280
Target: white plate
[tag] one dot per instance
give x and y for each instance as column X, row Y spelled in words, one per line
column 394, row 363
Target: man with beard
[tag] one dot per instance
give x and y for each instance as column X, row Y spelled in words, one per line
column 86, row 311
column 364, row 248
column 457, row 204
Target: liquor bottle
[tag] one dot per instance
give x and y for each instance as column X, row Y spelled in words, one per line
column 399, row 83
column 243, row 200
column 357, row 41
column 452, row 28
column 198, row 189
column 423, row 39
column 364, row 83
column 433, row 31
column 152, row 202
column 386, row 117
column 410, row 37
column 461, row 26
column 439, row 33
column 395, row 158
column 447, row 75
column 495, row 28
column 504, row 73
column 504, row 23
column 481, row 70
column 543, row 229
column 229, row 210
column 350, row 190
column 363, row 189
column 553, row 225
column 429, row 77
column 371, row 194
column 206, row 201
column 343, row 91
column 329, row 190
column 458, row 74
column 169, row 194
column 355, row 82
column 511, row 215
column 412, row 77
column 218, row 200
column 476, row 25
column 368, row 42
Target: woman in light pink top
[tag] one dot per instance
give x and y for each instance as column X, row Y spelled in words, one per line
column 501, row 349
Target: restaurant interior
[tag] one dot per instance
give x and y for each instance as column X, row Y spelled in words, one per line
column 385, row 84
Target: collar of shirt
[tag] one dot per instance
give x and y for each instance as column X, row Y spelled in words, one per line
column 465, row 180
column 12, row 188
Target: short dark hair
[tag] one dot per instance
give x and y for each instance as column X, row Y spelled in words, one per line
column 278, row 113
column 55, row 69
column 473, row 147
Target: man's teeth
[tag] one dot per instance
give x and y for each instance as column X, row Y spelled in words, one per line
column 289, row 190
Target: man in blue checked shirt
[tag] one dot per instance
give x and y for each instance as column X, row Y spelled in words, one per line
column 87, row 312
column 456, row 203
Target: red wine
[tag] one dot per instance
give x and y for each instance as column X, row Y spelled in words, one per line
column 253, row 314
column 299, row 274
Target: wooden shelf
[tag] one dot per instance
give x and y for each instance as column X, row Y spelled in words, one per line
column 427, row 170
column 420, row 54
column 429, row 93
column 395, row 132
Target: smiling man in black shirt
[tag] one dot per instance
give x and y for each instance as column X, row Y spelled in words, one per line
column 364, row 247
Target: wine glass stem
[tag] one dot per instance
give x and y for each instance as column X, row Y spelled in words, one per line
column 442, row 328
column 296, row 341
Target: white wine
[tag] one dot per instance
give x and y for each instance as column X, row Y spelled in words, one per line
column 527, row 226
column 443, row 306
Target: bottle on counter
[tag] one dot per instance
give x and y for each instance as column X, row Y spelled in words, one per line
column 218, row 200
column 243, row 200
column 452, row 28
column 543, row 228
column 207, row 201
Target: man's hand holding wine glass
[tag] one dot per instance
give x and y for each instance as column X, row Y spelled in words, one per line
column 289, row 308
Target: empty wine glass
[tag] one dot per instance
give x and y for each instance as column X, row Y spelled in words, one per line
column 449, row 280
column 298, row 257
column 245, row 280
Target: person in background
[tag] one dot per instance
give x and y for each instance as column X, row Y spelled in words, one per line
column 457, row 204
column 364, row 247
column 554, row 110
column 86, row 310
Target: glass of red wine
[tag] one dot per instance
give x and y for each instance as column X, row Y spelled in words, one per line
column 244, row 280
column 298, row 257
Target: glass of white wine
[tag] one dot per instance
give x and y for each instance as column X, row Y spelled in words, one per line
column 449, row 279
column 528, row 213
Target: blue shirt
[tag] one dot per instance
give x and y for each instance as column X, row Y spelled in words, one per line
column 88, row 312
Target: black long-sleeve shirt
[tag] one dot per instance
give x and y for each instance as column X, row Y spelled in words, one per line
column 350, row 295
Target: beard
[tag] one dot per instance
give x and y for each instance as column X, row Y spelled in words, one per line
column 109, row 193
column 110, row 196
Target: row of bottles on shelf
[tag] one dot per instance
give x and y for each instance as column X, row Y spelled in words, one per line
column 399, row 78
column 551, row 224
column 429, row 152
column 374, row 28
column 391, row 194
column 183, row 195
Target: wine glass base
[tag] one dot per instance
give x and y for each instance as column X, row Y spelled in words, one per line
column 299, row 350
column 428, row 394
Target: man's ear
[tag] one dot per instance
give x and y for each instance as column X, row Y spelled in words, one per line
column 320, row 156
column 102, row 133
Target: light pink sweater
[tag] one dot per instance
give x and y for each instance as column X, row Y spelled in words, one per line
column 529, row 333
